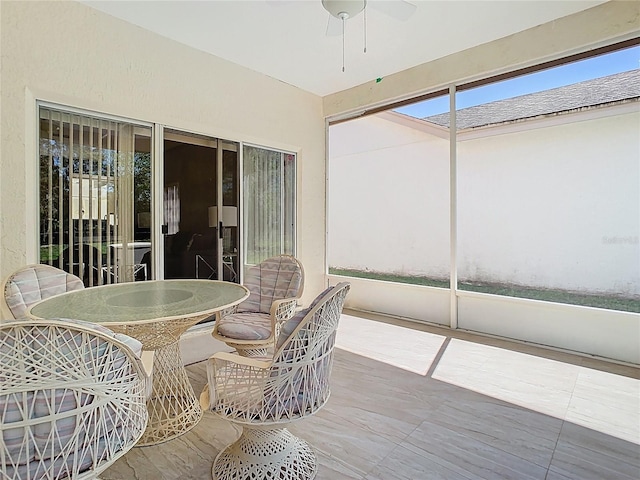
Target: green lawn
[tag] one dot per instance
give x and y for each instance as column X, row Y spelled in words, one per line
column 44, row 253
column 559, row 296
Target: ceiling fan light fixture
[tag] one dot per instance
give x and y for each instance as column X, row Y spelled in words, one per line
column 344, row 9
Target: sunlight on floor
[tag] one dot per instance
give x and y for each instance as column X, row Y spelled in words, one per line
column 594, row 399
column 398, row 346
column 597, row 400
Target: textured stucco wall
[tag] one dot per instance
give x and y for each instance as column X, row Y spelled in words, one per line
column 68, row 53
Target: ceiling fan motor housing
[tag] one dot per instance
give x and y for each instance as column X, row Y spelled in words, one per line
column 344, row 9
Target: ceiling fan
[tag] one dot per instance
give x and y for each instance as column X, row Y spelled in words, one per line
column 342, row 10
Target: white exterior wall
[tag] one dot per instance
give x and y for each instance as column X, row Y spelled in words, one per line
column 553, row 207
column 388, row 219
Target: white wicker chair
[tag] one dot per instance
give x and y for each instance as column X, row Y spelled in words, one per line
column 276, row 285
column 263, row 395
column 72, row 399
column 33, row 283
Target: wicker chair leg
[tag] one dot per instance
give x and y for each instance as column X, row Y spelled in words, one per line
column 262, row 453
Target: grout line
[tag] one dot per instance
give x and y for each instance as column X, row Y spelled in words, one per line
column 438, row 356
column 555, row 447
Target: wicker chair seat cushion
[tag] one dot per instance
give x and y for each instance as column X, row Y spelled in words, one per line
column 260, row 404
column 291, row 324
column 273, row 279
column 68, row 464
column 134, row 344
column 291, row 391
column 33, row 284
column 12, row 410
column 246, row 326
column 57, row 378
column 55, row 441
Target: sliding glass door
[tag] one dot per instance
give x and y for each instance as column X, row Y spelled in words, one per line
column 95, row 196
column 97, row 201
column 201, row 197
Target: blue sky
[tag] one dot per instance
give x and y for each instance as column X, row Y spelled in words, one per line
column 601, row 66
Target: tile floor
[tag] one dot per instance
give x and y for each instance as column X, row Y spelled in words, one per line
column 416, row 402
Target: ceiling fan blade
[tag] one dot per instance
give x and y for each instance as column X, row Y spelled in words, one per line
column 334, row 26
column 399, row 9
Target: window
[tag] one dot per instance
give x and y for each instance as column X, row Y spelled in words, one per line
column 95, row 197
column 547, row 187
column 388, row 199
column 269, row 203
column 549, row 181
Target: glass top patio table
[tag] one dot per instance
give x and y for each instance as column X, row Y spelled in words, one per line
column 157, row 313
column 141, row 302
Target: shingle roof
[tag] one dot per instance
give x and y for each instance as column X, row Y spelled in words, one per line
column 619, row 87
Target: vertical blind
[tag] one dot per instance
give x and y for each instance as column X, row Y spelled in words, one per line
column 269, row 203
column 86, row 194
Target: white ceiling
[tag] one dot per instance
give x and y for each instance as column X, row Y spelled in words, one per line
column 287, row 40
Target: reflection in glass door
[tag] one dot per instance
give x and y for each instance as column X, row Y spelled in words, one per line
column 200, row 207
column 95, row 196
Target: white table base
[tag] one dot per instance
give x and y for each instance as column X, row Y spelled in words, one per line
column 173, row 407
